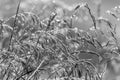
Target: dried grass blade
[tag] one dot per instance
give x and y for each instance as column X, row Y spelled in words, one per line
column 93, row 17
column 14, row 23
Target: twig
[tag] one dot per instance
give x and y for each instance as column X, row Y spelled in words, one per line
column 36, row 69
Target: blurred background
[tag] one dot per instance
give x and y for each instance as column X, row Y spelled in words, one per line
column 45, row 7
column 8, row 7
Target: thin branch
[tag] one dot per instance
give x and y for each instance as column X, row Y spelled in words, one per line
column 36, row 69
